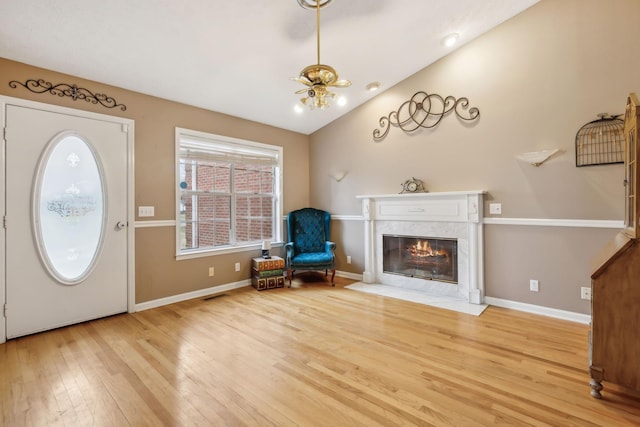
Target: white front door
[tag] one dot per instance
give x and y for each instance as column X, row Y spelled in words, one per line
column 66, row 218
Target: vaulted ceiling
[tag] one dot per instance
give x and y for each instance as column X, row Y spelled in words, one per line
column 237, row 57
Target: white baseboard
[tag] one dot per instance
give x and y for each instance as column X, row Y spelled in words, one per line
column 348, row 275
column 191, row 295
column 538, row 309
column 216, row 290
column 498, row 302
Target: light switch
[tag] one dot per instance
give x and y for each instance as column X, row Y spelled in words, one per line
column 495, row 208
column 146, row 211
column 534, row 285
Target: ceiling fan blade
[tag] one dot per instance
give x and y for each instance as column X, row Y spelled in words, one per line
column 302, row 80
column 302, row 91
column 342, row 83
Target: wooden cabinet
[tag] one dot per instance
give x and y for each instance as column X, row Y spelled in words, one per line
column 614, row 344
column 632, row 202
column 615, row 316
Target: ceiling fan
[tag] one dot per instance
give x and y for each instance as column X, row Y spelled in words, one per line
column 318, row 77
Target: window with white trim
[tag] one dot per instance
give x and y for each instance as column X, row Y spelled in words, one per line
column 228, row 193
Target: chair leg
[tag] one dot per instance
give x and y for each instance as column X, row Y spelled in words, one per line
column 289, row 276
column 333, row 274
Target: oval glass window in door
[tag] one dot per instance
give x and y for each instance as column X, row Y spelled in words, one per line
column 68, row 208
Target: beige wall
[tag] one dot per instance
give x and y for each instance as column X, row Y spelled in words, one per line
column 536, row 79
column 158, row 274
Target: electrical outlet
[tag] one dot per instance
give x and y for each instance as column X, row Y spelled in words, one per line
column 533, row 285
column 585, row 293
column 237, row 266
column 495, row 208
column 211, row 272
column 348, row 259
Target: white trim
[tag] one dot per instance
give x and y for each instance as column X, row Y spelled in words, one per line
column 347, row 217
column 348, row 275
column 3, row 231
column 215, row 290
column 191, row 295
column 128, row 126
column 498, row 302
column 434, row 195
column 550, row 222
column 228, row 250
column 338, row 217
column 537, row 309
column 155, row 223
column 541, row 222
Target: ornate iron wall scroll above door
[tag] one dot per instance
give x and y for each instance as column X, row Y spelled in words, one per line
column 72, row 91
column 424, row 111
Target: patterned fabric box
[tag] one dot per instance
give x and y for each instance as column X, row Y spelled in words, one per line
column 268, row 273
column 273, row 263
column 261, row 283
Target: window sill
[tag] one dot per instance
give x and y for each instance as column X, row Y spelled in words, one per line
column 222, row 251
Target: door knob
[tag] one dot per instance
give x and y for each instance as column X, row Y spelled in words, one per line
column 120, row 225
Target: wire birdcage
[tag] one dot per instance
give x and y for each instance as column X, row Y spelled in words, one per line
column 601, row 142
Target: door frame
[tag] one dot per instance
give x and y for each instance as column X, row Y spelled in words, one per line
column 127, row 124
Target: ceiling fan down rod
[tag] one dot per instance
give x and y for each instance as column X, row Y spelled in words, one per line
column 318, row 28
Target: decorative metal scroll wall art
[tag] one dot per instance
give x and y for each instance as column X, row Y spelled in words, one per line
column 601, row 142
column 424, row 111
column 72, row 91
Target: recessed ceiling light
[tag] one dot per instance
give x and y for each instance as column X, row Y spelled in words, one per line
column 450, row 39
column 341, row 101
column 298, row 108
column 373, row 86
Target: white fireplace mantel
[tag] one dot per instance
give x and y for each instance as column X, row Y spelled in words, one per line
column 455, row 214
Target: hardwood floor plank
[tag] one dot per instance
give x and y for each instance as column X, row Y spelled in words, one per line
column 311, row 355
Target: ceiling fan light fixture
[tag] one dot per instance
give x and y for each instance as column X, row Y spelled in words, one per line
column 317, row 97
column 318, row 77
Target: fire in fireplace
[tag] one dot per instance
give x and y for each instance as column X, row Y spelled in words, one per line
column 421, row 257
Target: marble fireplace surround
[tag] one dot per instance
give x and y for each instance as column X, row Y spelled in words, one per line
column 456, row 214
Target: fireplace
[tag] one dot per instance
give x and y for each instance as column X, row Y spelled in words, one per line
column 428, row 242
column 421, row 257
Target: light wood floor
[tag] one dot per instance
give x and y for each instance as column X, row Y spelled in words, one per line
column 311, row 355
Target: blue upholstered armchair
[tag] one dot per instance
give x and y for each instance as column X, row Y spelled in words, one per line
column 309, row 247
